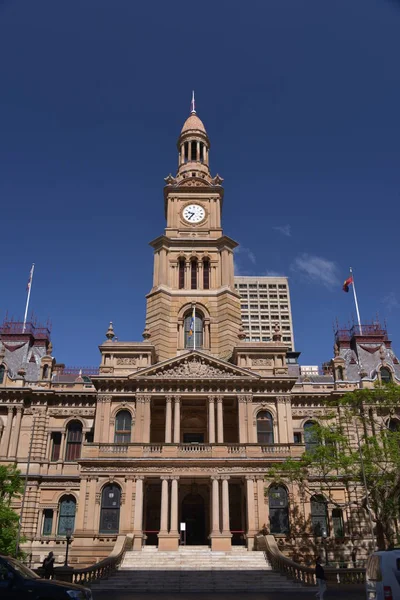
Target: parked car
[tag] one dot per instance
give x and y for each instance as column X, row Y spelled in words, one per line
column 17, row 582
column 382, row 577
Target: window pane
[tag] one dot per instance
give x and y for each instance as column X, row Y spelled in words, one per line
column 74, row 441
column 110, row 506
column 197, row 330
column 278, row 510
column 265, row 429
column 56, row 446
column 319, row 516
column 66, row 519
column 47, row 522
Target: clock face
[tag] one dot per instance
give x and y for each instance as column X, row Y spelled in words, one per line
column 194, row 213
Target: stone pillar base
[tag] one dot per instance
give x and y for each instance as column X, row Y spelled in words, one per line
column 250, row 540
column 137, row 540
column 168, row 541
column 221, row 542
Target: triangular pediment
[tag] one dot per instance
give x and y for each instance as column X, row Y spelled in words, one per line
column 194, row 365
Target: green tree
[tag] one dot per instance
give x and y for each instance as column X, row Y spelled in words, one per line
column 11, row 487
column 356, row 443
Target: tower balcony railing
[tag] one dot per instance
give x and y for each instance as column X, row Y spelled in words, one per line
column 195, row 450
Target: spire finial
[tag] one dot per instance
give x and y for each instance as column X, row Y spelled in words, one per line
column 110, row 335
column 193, row 105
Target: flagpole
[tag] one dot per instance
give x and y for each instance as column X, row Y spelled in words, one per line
column 356, row 302
column 194, row 326
column 29, row 295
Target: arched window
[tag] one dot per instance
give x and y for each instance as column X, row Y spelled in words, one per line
column 110, row 505
column 339, row 371
column 66, row 515
column 181, row 271
column 265, row 428
column 193, row 274
column 2, row 371
column 278, row 510
column 319, row 515
column 310, row 437
column 386, row 376
column 337, row 522
column 45, row 371
column 123, row 425
column 193, row 329
column 206, row 274
column 74, row 441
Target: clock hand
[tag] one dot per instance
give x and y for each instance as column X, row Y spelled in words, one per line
column 191, row 215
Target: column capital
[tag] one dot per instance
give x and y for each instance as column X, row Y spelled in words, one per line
column 225, row 477
column 283, row 399
column 211, row 398
column 215, row 477
column 220, row 399
column 165, row 478
column 249, row 477
column 10, row 409
column 177, row 399
column 104, row 398
column 260, row 478
column 174, row 477
column 18, row 409
column 139, row 478
column 168, row 399
column 245, row 398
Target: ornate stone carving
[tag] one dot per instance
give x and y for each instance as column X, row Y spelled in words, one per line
column 195, row 368
column 71, row 412
column 258, row 362
column 126, row 360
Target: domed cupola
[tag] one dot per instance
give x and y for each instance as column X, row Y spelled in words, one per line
column 193, row 147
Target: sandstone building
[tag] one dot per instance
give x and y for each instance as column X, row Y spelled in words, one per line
column 182, row 426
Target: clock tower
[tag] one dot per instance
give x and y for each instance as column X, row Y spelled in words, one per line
column 193, row 260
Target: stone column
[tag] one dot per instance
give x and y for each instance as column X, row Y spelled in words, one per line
column 177, row 419
column 80, row 513
column 215, row 506
column 263, row 512
column 242, row 417
column 168, row 419
column 146, row 399
column 251, row 429
column 168, row 541
column 220, row 419
column 211, row 420
column 281, row 424
column 226, row 529
column 138, row 516
column 16, row 431
column 183, row 154
column 164, row 505
column 251, row 526
column 126, row 507
column 7, row 433
column 174, row 505
column 289, row 420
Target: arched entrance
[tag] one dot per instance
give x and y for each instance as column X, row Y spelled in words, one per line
column 194, row 515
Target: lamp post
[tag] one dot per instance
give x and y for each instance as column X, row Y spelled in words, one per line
column 324, row 536
column 68, row 532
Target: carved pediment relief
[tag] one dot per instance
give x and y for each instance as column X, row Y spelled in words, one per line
column 195, row 366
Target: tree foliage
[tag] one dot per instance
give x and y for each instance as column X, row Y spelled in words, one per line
column 356, row 443
column 10, row 488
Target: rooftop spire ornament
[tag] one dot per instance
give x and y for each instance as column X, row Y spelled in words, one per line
column 193, row 105
column 110, row 335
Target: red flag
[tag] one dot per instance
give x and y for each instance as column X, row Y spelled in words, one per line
column 348, row 282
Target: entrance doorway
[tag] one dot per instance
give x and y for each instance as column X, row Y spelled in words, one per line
column 194, row 515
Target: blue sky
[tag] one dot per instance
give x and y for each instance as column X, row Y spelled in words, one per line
column 301, row 102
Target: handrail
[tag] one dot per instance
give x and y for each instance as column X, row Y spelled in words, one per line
column 282, row 563
column 105, row 567
column 301, row 573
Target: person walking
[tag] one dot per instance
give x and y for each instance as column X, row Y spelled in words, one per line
column 48, row 566
column 320, row 577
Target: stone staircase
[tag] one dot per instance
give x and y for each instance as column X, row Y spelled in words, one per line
column 196, row 569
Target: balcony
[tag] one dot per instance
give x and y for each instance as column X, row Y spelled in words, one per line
column 204, row 451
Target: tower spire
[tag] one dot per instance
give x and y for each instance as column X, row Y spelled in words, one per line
column 193, row 105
